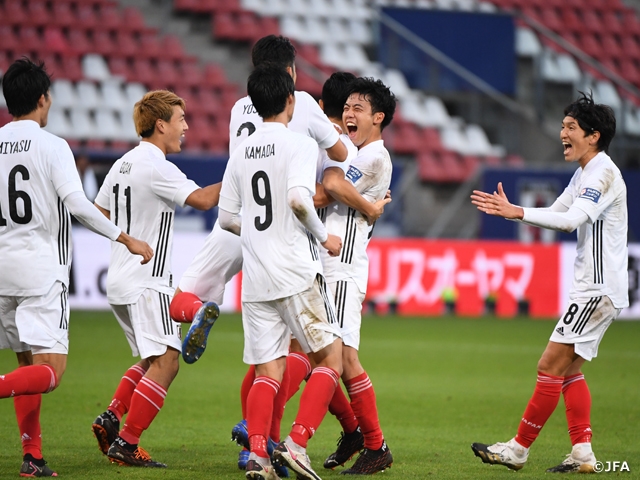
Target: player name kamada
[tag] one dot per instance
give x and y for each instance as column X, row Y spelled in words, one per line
column 260, row 151
column 15, row 147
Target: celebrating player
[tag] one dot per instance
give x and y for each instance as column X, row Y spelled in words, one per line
column 140, row 193
column 39, row 186
column 368, row 109
column 594, row 203
column 271, row 175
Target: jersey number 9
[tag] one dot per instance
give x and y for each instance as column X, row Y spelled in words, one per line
column 262, row 200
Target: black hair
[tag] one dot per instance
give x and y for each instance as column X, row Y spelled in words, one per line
column 335, row 92
column 23, row 84
column 378, row 95
column 274, row 49
column 269, row 86
column 593, row 117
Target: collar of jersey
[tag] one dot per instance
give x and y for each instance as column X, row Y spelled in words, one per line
column 151, row 147
column 373, row 145
column 599, row 156
column 25, row 124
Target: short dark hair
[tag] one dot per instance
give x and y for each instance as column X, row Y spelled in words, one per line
column 593, row 117
column 274, row 49
column 269, row 86
column 23, row 84
column 335, row 92
column 378, row 95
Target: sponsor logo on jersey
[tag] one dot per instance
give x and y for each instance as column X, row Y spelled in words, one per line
column 15, row 147
column 354, row 174
column 125, row 168
column 260, row 151
column 591, row 194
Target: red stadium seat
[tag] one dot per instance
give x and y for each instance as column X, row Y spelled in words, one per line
column 104, row 44
column 247, row 26
column 611, row 46
column 552, row 20
column 72, row 68
column 470, row 165
column 224, row 26
column 86, row 16
column 453, row 167
column 224, row 6
column 55, row 42
column 14, row 14
column 167, row 76
column 119, row 66
column 214, row 76
column 8, row 39
column 307, row 83
column 127, row 46
column 190, row 74
column 78, row 42
column 268, row 26
column 590, row 45
column 630, row 47
column 570, row 20
column 37, row 14
column 172, row 47
column 150, row 45
column 185, row 5
column 133, row 20
column 4, row 62
column 629, row 71
column 143, row 71
column 430, row 169
column 62, row 15
column 110, row 18
column 29, row 39
column 611, row 22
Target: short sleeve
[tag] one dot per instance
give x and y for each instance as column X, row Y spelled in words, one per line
column 171, row 184
column 64, row 175
column 320, row 127
column 230, row 199
column 596, row 192
column 302, row 166
column 102, row 199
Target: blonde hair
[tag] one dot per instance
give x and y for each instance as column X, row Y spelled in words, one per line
column 155, row 105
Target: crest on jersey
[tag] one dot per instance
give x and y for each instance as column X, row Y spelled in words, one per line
column 591, row 194
column 353, row 174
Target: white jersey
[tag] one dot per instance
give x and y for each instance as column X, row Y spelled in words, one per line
column 601, row 262
column 141, row 192
column 280, row 257
column 308, row 119
column 325, row 162
column 370, row 173
column 37, row 173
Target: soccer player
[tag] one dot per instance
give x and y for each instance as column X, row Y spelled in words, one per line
column 594, row 203
column 140, row 193
column 368, row 109
column 39, row 186
column 271, row 176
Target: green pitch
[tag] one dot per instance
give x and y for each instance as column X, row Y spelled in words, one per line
column 441, row 384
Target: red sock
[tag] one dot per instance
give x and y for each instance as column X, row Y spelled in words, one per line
column 314, row 403
column 247, row 383
column 577, row 402
column 122, row 398
column 278, row 408
column 28, row 380
column 259, row 413
column 540, row 407
column 146, row 402
column 184, row 307
column 341, row 409
column 28, row 414
column 363, row 403
column 299, row 369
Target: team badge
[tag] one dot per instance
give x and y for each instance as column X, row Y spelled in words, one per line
column 591, row 194
column 354, row 174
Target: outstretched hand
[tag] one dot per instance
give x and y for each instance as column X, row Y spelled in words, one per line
column 497, row 204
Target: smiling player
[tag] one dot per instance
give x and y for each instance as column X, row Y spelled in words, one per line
column 594, row 203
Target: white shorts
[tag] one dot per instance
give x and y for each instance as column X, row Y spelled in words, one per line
column 309, row 315
column 148, row 326
column 348, row 300
column 39, row 323
column 219, row 259
column 584, row 323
